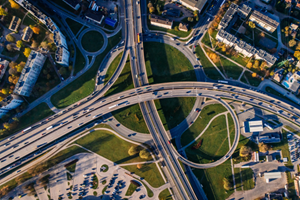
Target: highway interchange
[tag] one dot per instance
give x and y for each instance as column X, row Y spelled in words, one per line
column 16, row 149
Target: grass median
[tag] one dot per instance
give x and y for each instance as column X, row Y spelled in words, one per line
column 92, row 41
column 112, row 67
column 165, row 195
column 85, row 84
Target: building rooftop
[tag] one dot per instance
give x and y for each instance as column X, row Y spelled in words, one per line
column 94, row 15
column 267, row 57
column 228, row 15
column 196, row 3
column 183, row 26
column 264, row 18
column 253, row 126
column 27, row 34
column 8, row 99
column 14, row 24
column 160, row 20
column 59, row 53
column 57, row 35
column 34, row 10
column 244, row 10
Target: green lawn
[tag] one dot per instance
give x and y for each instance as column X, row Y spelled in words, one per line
column 13, row 183
column 92, row 41
column 165, row 195
column 103, row 143
column 112, row 67
column 215, row 143
column 212, row 180
column 292, row 130
column 131, row 189
column 239, row 59
column 207, row 113
column 209, row 69
column 164, row 63
column 132, row 118
column 174, row 110
column 38, row 113
column 237, row 177
column 85, row 84
column 74, row 25
column 231, row 128
column 291, row 186
column 124, row 82
column 243, row 141
column 205, row 40
column 284, row 147
column 71, row 168
column 79, row 61
column 247, row 178
column 29, row 20
column 149, row 172
column 172, row 31
column 253, row 81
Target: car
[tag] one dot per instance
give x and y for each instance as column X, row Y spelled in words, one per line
column 196, row 110
column 44, row 133
column 191, row 122
column 80, row 124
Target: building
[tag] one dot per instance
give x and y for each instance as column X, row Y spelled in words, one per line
column 94, row 16
column 60, row 39
column 161, row 22
column 297, row 184
column 183, row 27
column 292, row 82
column 278, row 75
column 264, row 21
column 244, row 48
column 14, row 24
column 62, row 56
column 269, row 138
column 253, row 126
column 30, row 73
column 27, row 34
column 110, row 22
column 75, row 4
column 9, row 103
column 269, row 158
column 3, row 67
column 192, row 4
column 297, row 6
column 271, row 175
column 34, row 11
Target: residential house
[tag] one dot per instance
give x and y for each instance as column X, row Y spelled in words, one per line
column 161, row 22
column 27, row 34
column 294, row 29
column 292, row 82
column 9, row 103
column 278, row 75
column 183, row 27
column 264, row 21
column 193, row 4
column 75, row 4
column 14, row 24
column 30, row 73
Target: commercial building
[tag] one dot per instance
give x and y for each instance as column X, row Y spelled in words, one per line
column 95, row 16
column 272, row 175
column 183, row 27
column 9, row 103
column 269, row 138
column 192, row 4
column 27, row 34
column 30, row 73
column 62, row 56
column 253, row 126
column 75, row 4
column 244, row 48
column 161, row 22
column 292, row 82
column 60, row 39
column 264, row 21
column 110, row 22
column 14, row 24
column 3, row 67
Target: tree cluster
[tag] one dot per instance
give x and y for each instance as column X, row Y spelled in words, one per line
column 143, row 153
column 263, row 147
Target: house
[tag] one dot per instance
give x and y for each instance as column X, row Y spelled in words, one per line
column 9, row 103
column 294, row 29
column 264, row 21
column 183, row 27
column 192, row 4
column 292, row 82
column 95, row 16
column 14, row 24
column 161, row 22
column 27, row 34
column 3, row 67
column 278, row 75
column 75, row 4
column 62, row 56
column 34, row 11
column 30, row 73
column 253, row 126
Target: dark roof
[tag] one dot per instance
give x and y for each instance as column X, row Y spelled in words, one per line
column 110, row 22
column 95, row 15
column 28, row 34
column 196, row 3
column 266, row 19
column 155, row 18
column 14, row 24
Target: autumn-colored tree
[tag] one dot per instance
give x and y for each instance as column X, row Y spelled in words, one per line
column 3, row 12
column 263, row 147
column 292, row 43
column 44, row 45
column 5, row 91
column 62, row 70
column 214, row 57
column 19, row 44
column 36, row 30
column 6, row 125
column 249, row 65
column 27, row 52
column 152, row 9
column 245, row 151
column 133, row 150
column 223, row 48
column 297, row 54
column 10, row 48
column 256, row 64
column 210, row 30
column 254, row 75
column 10, row 38
column 226, row 183
column 251, row 24
column 149, row 5
column 144, row 154
column 262, row 34
column 13, row 4
column 139, row 166
column 20, row 66
column 34, row 44
column 272, row 73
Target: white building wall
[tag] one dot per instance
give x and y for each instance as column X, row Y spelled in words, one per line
column 65, row 58
column 162, row 25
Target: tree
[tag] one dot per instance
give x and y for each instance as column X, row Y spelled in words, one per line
column 10, row 38
column 36, row 30
column 20, row 66
column 254, row 75
column 13, row 4
column 116, row 9
column 262, row 34
column 190, row 19
column 158, row 8
column 256, row 64
column 292, row 43
column 251, row 24
column 176, row 28
column 210, row 30
column 48, row 76
column 27, row 52
column 214, row 57
column 245, row 151
column 195, row 12
column 249, row 65
column 5, row 91
column 263, row 147
column 133, row 150
column 223, row 48
column 152, row 9
column 15, row 119
column 139, row 166
column 227, row 185
column 150, row 5
column 6, row 125
column 19, row 44
column 3, row 12
column 62, row 70
column 297, row 54
column 34, row 44
column 10, row 48
column 70, row 67
column 44, row 45
column 272, row 73
column 144, row 154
